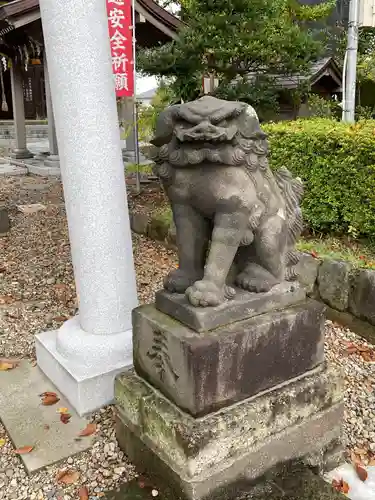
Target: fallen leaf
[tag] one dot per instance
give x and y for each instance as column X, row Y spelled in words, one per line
column 47, row 394
column 24, row 450
column 366, row 356
column 352, row 349
column 46, row 427
column 34, row 363
column 6, row 299
column 50, row 400
column 372, row 461
column 6, row 366
column 63, row 410
column 65, row 417
column 341, row 486
column 2, row 442
column 364, row 348
column 361, row 472
column 345, row 487
column 83, row 493
column 60, row 318
column 88, row 430
column 67, row 476
column 314, row 254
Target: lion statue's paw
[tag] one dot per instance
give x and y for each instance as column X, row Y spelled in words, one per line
column 205, row 294
column 256, row 279
column 178, row 280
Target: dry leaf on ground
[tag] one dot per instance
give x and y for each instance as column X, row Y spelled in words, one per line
column 8, row 364
column 83, row 493
column 67, row 476
column 50, row 399
column 65, row 417
column 2, row 442
column 341, row 486
column 63, row 410
column 88, row 430
column 6, row 299
column 361, row 472
column 24, row 450
column 4, row 366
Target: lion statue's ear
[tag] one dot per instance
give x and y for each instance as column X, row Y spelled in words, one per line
column 164, row 126
column 248, row 124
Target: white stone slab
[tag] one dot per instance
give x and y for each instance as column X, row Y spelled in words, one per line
column 28, row 423
column 358, row 490
column 88, row 380
column 44, row 170
column 8, row 169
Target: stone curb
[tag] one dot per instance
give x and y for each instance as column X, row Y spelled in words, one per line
column 157, row 228
column 348, row 292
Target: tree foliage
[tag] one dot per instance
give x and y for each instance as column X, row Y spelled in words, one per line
column 245, row 44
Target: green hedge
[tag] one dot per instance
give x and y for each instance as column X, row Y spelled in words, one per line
column 337, row 164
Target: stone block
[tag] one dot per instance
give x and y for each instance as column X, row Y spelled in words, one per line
column 4, row 221
column 204, row 372
column 206, row 458
column 334, row 283
column 307, row 269
column 362, row 295
column 244, row 305
column 139, row 223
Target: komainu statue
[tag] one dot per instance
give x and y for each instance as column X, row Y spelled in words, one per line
column 236, row 221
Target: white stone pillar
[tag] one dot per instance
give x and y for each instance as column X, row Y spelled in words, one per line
column 52, row 162
column 83, row 357
column 20, row 151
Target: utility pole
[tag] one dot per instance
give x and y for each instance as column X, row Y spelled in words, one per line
column 350, row 64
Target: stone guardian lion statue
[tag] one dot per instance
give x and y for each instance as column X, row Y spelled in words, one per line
column 236, row 222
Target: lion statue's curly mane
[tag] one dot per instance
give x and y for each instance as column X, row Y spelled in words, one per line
column 236, row 221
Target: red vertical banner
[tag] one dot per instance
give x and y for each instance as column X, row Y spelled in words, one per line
column 120, row 26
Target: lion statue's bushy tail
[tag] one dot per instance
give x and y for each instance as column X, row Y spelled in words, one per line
column 292, row 190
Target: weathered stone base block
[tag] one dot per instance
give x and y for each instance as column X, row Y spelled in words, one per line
column 215, row 456
column 202, row 373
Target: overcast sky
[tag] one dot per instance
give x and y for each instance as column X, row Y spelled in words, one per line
column 145, row 83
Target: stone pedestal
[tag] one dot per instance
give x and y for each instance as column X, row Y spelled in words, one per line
column 222, row 395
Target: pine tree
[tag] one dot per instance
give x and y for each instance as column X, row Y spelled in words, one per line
column 244, row 43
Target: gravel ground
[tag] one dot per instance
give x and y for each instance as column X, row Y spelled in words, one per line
column 37, row 292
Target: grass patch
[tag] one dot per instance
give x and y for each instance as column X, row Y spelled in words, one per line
column 143, row 169
column 360, row 253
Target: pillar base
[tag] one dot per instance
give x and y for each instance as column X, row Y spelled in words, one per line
column 52, row 161
column 83, row 366
column 21, row 154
